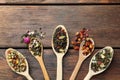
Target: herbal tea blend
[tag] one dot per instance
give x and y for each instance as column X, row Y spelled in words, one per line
column 79, row 37
column 17, row 62
column 35, row 46
column 31, row 39
column 87, row 47
column 101, row 60
column 60, row 40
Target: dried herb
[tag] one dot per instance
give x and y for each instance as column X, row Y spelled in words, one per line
column 60, row 40
column 101, row 60
column 17, row 62
column 35, row 47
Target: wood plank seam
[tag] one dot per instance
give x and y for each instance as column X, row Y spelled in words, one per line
column 54, row 4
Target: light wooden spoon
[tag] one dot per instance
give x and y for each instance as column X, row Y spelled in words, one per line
column 81, row 58
column 91, row 72
column 60, row 55
column 39, row 55
column 26, row 72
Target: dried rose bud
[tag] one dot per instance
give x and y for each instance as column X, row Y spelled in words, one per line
column 26, row 40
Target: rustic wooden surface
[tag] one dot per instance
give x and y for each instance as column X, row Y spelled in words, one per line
column 59, row 1
column 103, row 21
column 69, row 61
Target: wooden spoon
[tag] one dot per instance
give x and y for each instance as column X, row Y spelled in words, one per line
column 36, row 49
column 24, row 73
column 81, row 58
column 60, row 55
column 91, row 72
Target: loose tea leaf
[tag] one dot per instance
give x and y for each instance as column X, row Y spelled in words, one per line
column 60, row 40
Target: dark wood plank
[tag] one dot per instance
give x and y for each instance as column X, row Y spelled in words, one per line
column 103, row 22
column 59, row 1
column 69, row 62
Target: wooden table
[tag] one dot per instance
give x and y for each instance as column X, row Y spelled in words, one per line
column 102, row 17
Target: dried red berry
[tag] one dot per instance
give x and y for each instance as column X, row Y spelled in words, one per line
column 79, row 36
column 76, row 47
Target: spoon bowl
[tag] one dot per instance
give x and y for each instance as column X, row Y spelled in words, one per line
column 26, row 71
column 61, row 35
column 82, row 44
column 63, row 53
column 82, row 56
column 36, row 48
column 98, row 71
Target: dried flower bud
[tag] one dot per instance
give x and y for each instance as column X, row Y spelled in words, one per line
column 26, row 40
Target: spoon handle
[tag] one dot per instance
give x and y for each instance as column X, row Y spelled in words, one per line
column 46, row 76
column 59, row 68
column 28, row 76
column 88, row 76
column 76, row 69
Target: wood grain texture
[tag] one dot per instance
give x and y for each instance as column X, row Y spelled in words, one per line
column 69, row 62
column 59, row 1
column 102, row 21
